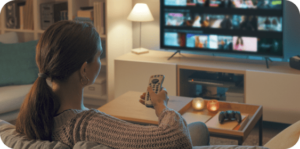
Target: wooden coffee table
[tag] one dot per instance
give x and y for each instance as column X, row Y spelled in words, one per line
column 127, row 107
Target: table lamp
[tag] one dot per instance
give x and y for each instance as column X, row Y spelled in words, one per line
column 140, row 13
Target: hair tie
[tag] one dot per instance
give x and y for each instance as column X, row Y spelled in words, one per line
column 42, row 75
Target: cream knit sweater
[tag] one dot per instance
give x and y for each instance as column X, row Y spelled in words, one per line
column 93, row 125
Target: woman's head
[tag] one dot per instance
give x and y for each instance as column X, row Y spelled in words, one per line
column 65, row 49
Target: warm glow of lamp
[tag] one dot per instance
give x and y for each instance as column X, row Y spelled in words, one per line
column 213, row 105
column 140, row 13
column 198, row 103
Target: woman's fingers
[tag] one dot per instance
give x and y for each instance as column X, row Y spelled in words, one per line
column 143, row 96
column 142, row 101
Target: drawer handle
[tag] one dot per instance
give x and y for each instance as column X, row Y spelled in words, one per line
column 91, row 88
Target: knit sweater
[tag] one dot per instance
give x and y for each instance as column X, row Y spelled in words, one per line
column 72, row 126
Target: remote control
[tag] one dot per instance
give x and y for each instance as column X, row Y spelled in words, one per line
column 155, row 82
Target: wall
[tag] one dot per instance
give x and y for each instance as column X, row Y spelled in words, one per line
column 151, row 32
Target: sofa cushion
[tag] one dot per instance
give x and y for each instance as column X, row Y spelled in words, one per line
column 17, row 63
column 12, row 97
column 13, row 139
column 11, row 37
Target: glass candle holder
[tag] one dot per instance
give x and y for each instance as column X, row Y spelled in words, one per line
column 213, row 105
column 198, row 103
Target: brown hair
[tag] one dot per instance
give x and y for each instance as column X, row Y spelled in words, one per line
column 61, row 51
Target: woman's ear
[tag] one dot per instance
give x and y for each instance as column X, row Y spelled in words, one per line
column 83, row 70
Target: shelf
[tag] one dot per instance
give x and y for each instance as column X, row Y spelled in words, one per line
column 40, row 31
column 19, row 30
column 101, row 36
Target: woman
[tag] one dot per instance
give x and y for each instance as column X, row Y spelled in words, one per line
column 68, row 53
column 239, row 45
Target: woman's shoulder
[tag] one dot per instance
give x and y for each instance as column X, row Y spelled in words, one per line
column 74, row 115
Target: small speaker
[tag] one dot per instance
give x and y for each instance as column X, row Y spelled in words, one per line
column 13, row 14
column 51, row 13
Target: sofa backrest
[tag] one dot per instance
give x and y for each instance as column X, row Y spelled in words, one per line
column 14, row 140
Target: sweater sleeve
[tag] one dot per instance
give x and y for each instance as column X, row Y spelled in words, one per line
column 96, row 126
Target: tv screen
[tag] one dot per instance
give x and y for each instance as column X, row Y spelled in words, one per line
column 252, row 27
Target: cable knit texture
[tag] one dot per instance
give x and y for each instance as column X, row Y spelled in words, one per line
column 73, row 126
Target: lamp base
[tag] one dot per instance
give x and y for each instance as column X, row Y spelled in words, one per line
column 140, row 51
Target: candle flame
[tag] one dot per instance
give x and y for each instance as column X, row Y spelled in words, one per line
column 199, row 105
column 213, row 108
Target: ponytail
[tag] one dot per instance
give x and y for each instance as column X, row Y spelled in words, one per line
column 35, row 119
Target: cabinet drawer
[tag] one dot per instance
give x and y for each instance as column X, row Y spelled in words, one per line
column 95, row 89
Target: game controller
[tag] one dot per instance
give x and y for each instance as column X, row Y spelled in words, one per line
column 155, row 82
column 230, row 116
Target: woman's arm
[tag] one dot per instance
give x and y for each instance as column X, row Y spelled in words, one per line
column 96, row 126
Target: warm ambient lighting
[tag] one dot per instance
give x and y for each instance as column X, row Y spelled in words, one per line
column 213, row 105
column 140, row 13
column 198, row 103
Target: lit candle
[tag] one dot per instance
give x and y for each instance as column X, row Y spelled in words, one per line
column 198, row 104
column 213, row 105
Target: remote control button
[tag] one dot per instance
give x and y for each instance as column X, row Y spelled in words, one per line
column 154, row 81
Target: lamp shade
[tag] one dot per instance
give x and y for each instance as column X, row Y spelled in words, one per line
column 140, row 13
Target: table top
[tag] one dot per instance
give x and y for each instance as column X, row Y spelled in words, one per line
column 127, row 107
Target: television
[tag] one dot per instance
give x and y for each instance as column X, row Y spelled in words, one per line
column 249, row 27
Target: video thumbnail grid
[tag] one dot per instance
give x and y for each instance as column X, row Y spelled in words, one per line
column 237, row 4
column 223, row 21
column 212, row 42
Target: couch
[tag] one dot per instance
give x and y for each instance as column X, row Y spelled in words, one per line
column 13, row 140
column 285, row 139
column 11, row 97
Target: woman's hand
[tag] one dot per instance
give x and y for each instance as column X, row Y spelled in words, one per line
column 157, row 99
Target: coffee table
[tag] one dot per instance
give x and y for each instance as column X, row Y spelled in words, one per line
column 127, row 107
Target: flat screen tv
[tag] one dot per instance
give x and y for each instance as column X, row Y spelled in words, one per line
column 251, row 27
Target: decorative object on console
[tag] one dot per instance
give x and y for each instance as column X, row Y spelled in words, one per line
column 213, row 105
column 140, row 13
column 295, row 62
column 230, row 116
column 198, row 103
column 13, row 14
column 99, row 17
column 51, row 13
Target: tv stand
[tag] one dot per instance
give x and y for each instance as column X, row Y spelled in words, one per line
column 267, row 61
column 275, row 89
column 178, row 51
